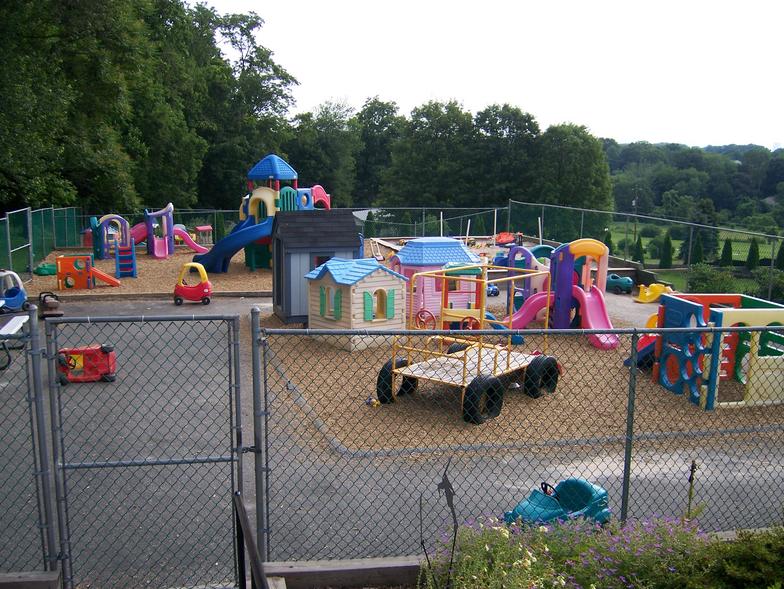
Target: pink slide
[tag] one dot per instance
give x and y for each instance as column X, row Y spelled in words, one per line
column 594, row 316
column 139, row 233
column 528, row 312
column 186, row 239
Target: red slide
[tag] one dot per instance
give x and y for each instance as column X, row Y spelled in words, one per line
column 110, row 280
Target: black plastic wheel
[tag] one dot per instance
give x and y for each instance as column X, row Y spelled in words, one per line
column 107, row 349
column 178, row 301
column 109, row 377
column 384, row 382
column 617, row 289
column 541, row 376
column 483, row 399
column 205, row 300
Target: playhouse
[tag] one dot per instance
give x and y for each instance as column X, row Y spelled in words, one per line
column 302, row 241
column 355, row 294
column 427, row 254
column 696, row 363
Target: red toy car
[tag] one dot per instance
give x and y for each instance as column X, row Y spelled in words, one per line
column 192, row 292
column 88, row 364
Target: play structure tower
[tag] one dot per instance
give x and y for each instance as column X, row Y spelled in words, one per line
column 266, row 196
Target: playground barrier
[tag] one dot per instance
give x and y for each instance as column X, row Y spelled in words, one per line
column 131, row 483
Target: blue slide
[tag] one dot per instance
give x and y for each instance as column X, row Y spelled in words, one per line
column 517, row 340
column 244, row 233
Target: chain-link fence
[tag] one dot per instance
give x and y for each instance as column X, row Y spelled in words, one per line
column 25, row 518
column 354, row 439
column 424, row 222
column 147, row 430
column 746, row 260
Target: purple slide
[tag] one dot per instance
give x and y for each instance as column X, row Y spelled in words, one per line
column 594, row 316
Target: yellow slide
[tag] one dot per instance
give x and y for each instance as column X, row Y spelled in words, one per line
column 651, row 294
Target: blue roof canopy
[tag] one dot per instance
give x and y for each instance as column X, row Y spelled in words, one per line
column 349, row 272
column 272, row 168
column 435, row 251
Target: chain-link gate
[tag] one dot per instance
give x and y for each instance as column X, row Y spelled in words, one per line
column 26, row 533
column 147, row 436
column 353, row 438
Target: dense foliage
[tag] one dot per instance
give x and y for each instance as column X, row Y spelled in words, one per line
column 652, row 554
column 115, row 104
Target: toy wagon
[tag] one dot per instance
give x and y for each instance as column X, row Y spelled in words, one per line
column 481, row 368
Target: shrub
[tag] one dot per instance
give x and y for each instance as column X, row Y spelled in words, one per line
column 639, row 253
column 650, row 231
column 697, row 254
column 679, row 232
column 778, row 264
column 705, row 278
column 666, row 253
column 752, row 260
column 726, row 253
column 609, row 242
column 369, row 230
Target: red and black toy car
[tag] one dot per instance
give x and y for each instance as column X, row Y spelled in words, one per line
column 87, row 364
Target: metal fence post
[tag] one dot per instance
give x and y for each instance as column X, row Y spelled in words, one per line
column 30, row 242
column 582, row 222
column 57, row 454
column 45, row 473
column 688, row 252
column 773, row 244
column 259, row 347
column 627, row 452
column 509, row 214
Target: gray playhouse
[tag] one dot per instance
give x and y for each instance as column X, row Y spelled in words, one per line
column 301, row 241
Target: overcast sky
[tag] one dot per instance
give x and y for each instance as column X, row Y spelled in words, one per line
column 684, row 71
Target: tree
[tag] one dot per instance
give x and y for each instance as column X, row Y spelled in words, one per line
column 753, row 258
column 639, row 253
column 378, row 126
column 779, row 262
column 432, row 156
column 697, row 254
column 478, row 225
column 369, row 229
column 726, row 253
column 324, row 146
column 666, row 254
column 608, row 241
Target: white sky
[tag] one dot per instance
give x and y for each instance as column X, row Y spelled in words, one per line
column 697, row 72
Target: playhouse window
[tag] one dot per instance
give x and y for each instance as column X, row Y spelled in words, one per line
column 409, row 274
column 379, row 305
column 330, row 304
column 451, row 284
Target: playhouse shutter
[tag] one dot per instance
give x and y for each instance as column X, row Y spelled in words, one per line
column 391, row 303
column 322, row 301
column 338, row 303
column 368, row 298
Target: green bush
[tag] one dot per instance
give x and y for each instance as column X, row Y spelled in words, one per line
column 697, row 253
column 653, row 554
column 650, row 231
column 369, row 229
column 779, row 262
column 609, row 242
column 639, row 253
column 705, row 278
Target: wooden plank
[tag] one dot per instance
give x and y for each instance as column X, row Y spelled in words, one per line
column 30, row 580
column 449, row 369
column 362, row 572
column 276, row 582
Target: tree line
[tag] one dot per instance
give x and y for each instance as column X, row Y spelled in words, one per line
column 117, row 104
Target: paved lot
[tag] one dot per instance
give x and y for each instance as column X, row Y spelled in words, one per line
column 325, row 504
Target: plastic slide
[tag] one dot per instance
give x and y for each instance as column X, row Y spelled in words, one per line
column 594, row 316
column 139, row 233
column 219, row 257
column 651, row 294
column 530, row 309
column 186, row 239
column 110, row 280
